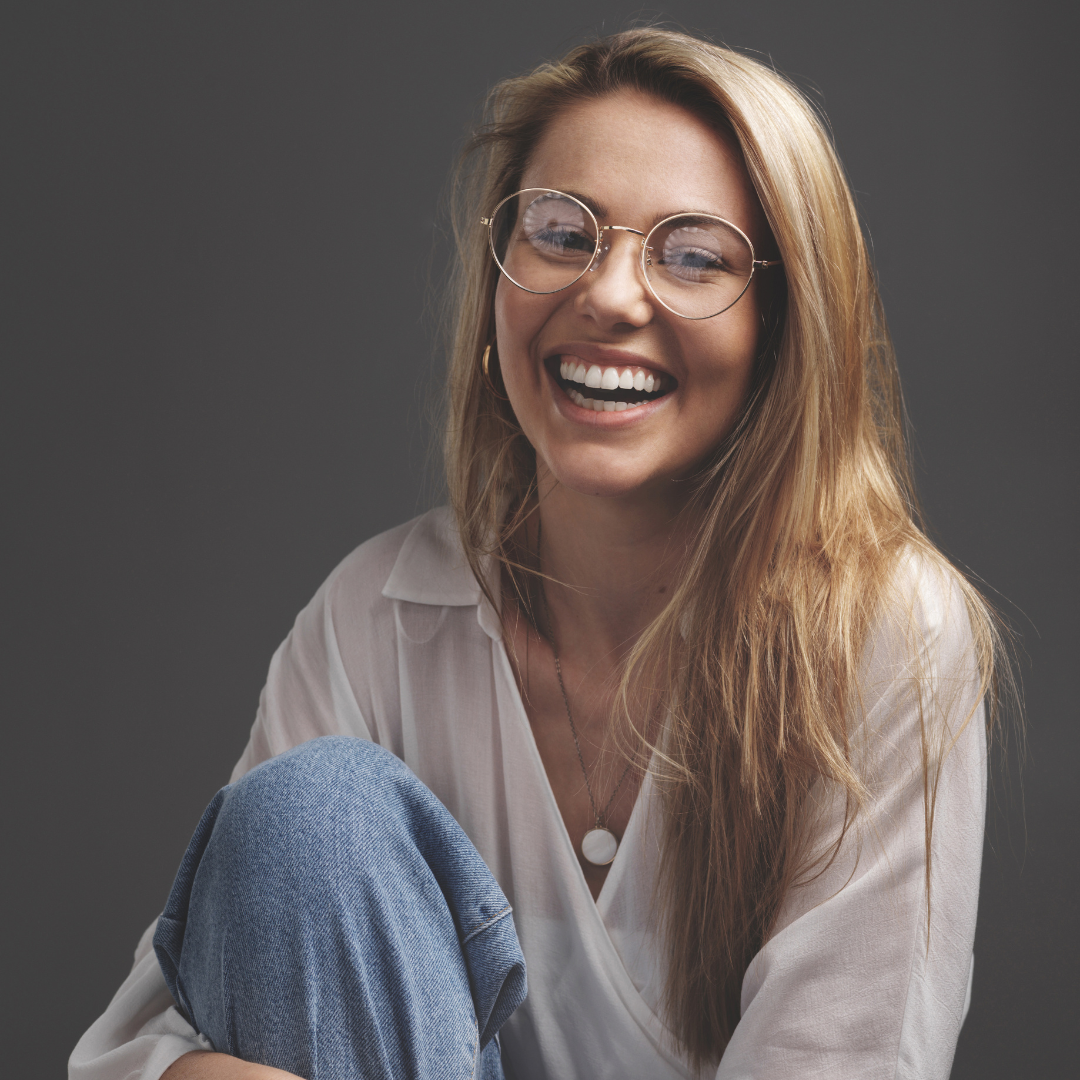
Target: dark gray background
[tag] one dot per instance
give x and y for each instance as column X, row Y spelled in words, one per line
column 219, row 218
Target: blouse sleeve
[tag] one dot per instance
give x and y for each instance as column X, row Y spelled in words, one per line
column 307, row 694
column 866, row 976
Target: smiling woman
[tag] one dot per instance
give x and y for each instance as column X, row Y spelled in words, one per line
column 678, row 676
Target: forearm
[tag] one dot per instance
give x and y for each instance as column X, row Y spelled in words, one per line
column 206, row 1065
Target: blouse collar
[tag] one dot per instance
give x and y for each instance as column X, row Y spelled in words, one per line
column 431, row 568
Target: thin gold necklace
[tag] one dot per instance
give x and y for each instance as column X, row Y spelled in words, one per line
column 599, row 845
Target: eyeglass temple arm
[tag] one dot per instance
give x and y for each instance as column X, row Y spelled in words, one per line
column 766, row 263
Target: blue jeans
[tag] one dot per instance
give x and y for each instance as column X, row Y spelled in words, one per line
column 332, row 919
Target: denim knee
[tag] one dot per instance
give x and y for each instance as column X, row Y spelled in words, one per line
column 339, row 806
column 351, row 804
column 334, row 865
column 315, row 790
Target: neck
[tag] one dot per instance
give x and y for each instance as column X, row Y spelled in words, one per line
column 609, row 566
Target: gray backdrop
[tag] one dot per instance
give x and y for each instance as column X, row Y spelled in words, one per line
column 220, row 218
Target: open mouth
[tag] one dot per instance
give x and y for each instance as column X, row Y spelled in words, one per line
column 608, row 389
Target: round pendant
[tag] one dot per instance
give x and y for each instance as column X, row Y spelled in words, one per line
column 599, row 846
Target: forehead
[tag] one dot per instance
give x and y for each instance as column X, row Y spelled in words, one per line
column 640, row 159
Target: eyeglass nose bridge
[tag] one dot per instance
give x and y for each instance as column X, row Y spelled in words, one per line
column 602, row 247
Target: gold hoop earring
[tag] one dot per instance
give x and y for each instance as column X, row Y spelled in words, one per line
column 486, row 375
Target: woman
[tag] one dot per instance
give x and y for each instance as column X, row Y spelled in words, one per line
column 679, row 662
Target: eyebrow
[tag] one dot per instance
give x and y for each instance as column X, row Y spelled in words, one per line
column 597, row 208
column 601, row 211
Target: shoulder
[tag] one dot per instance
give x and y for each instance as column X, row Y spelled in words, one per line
column 923, row 616
column 419, row 561
column 921, row 675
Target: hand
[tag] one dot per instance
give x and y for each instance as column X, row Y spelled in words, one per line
column 206, row 1065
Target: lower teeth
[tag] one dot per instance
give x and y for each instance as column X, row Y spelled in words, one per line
column 601, row 406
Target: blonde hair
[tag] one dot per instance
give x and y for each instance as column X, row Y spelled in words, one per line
column 799, row 520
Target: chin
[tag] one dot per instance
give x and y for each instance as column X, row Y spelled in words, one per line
column 607, row 483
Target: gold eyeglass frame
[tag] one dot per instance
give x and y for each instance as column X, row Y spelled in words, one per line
column 600, row 250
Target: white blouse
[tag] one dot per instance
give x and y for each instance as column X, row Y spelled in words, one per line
column 399, row 646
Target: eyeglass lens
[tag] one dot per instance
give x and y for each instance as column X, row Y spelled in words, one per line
column 696, row 265
column 543, row 240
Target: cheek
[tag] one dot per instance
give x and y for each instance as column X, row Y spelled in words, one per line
column 511, row 322
column 519, row 318
column 717, row 387
column 732, row 347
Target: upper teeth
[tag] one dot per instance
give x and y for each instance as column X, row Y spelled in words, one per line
column 609, row 378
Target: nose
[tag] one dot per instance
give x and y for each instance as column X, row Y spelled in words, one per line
column 614, row 291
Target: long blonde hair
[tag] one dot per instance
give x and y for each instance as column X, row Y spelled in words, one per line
column 800, row 519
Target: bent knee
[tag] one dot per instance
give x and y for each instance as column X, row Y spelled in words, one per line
column 322, row 793
column 318, row 775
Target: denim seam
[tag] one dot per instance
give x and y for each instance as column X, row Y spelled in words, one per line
column 226, row 997
column 483, row 926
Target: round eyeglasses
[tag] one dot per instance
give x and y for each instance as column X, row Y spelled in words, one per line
column 696, row 265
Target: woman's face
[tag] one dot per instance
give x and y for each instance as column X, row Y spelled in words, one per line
column 636, row 160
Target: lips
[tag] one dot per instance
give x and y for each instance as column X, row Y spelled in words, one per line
column 606, row 387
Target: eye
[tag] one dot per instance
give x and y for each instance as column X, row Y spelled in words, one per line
column 558, row 227
column 562, row 240
column 692, row 263
column 692, row 253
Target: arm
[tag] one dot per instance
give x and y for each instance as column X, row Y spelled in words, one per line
column 856, row 982
column 206, row 1065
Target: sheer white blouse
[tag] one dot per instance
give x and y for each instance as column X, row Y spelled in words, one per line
column 399, row 646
